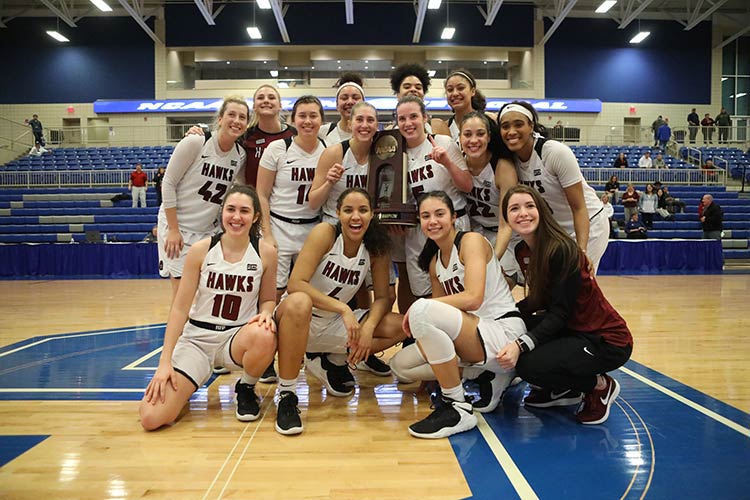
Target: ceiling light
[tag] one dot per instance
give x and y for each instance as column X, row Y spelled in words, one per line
column 434, row 4
column 57, row 36
column 448, row 33
column 365, row 67
column 440, row 62
column 605, row 6
column 312, row 67
column 366, row 61
column 274, row 73
column 283, row 85
column 101, row 5
column 724, row 79
column 339, row 67
column 741, row 94
column 431, row 73
column 484, row 62
column 339, row 61
column 264, row 4
column 254, row 33
column 265, row 62
column 640, row 37
column 286, row 67
column 229, row 62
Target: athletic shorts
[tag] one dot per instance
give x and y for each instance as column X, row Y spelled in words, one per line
column 198, row 350
column 173, row 267
column 495, row 334
column 289, row 238
column 328, row 333
column 419, row 281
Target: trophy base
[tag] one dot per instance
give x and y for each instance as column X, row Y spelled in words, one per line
column 397, row 218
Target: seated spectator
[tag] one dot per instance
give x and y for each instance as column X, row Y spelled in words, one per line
column 151, row 236
column 661, row 206
column 630, row 201
column 621, row 161
column 613, row 188
column 710, row 168
column 672, row 203
column 646, row 161
column 647, row 204
column 609, row 212
column 659, row 161
column 635, row 228
column 558, row 131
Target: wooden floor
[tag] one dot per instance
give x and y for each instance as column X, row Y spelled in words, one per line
column 694, row 329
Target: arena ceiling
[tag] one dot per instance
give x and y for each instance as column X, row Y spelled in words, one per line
column 732, row 14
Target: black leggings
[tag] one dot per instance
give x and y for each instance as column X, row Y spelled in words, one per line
column 571, row 362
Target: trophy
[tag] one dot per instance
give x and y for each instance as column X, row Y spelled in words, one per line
column 387, row 182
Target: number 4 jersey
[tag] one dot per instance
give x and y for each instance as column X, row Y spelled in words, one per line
column 228, row 292
column 198, row 176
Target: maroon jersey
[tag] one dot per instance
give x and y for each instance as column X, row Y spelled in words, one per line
column 255, row 142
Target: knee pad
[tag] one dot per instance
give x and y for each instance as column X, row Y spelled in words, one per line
column 426, row 313
column 408, row 365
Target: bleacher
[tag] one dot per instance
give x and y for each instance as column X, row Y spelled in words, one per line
column 151, row 157
column 737, row 160
column 604, row 156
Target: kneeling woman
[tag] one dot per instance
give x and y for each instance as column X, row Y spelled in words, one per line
column 314, row 317
column 579, row 337
column 471, row 316
column 230, row 279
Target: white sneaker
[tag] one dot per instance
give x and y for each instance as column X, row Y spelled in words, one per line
column 491, row 389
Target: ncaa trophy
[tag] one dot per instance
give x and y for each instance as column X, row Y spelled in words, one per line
column 387, row 182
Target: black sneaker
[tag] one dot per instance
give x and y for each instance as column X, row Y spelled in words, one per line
column 375, row 365
column 338, row 380
column 287, row 414
column 269, row 376
column 491, row 388
column 449, row 418
column 248, row 406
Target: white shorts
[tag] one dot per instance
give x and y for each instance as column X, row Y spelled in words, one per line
column 290, row 238
column 495, row 334
column 328, row 334
column 598, row 239
column 419, row 281
column 173, row 267
column 198, row 350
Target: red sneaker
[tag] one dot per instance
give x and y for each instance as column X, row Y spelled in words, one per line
column 596, row 403
column 545, row 398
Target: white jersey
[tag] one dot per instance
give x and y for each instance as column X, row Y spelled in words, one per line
column 556, row 170
column 197, row 178
column 425, row 174
column 295, row 170
column 336, row 135
column 355, row 175
column 340, row 276
column 483, row 201
column 455, row 131
column 228, row 293
column 498, row 300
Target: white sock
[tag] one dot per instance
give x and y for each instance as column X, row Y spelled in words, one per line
column 289, row 385
column 248, row 379
column 454, row 393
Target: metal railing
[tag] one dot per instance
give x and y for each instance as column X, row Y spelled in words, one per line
column 75, row 178
column 643, row 176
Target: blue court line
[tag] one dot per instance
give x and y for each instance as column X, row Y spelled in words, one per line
column 15, row 446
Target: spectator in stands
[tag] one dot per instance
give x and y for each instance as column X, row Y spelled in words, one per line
column 712, row 218
column 661, row 206
column 558, row 131
column 612, row 187
column 723, row 123
column 158, row 179
column 37, row 150
column 710, row 169
column 655, row 129
column 137, row 185
column 707, row 128
column 671, row 202
column 609, row 213
column 630, row 201
column 635, row 228
column 621, row 161
column 693, row 122
column 659, row 161
column 36, row 129
column 646, row 161
column 648, row 203
column 151, row 236
column 664, row 134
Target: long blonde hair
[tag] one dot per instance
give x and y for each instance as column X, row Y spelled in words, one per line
column 230, row 99
column 254, row 118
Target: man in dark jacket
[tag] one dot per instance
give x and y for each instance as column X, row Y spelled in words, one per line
column 694, row 122
column 712, row 218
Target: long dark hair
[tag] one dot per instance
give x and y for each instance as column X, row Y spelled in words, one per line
column 496, row 146
column 253, row 195
column 430, row 247
column 538, row 127
column 552, row 244
column 376, row 240
column 478, row 101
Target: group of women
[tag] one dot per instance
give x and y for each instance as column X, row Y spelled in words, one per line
column 497, row 204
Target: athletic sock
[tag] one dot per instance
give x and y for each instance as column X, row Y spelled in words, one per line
column 288, row 385
column 454, row 393
column 248, row 379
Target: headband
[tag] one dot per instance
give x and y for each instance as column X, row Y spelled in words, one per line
column 350, row 84
column 518, row 108
column 464, row 75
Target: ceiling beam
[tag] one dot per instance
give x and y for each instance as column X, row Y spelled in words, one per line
column 493, row 6
column 278, row 13
column 733, row 37
column 61, row 12
column 421, row 8
column 558, row 20
column 135, row 13
column 631, row 15
column 349, row 6
column 206, row 8
column 695, row 18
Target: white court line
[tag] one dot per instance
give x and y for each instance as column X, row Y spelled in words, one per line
column 692, row 404
column 134, row 364
column 522, row 487
column 66, row 389
column 63, row 337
